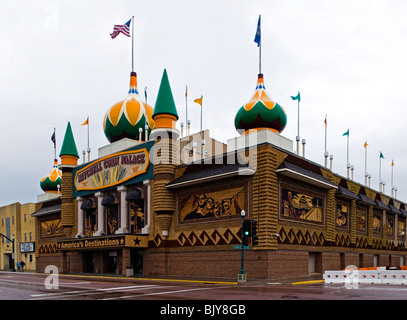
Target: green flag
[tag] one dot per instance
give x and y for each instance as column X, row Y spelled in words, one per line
column 346, row 133
column 381, row 155
column 297, row 97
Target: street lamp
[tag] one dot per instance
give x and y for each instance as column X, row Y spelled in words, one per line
column 242, row 275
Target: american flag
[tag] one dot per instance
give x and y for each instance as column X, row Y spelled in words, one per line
column 121, row 28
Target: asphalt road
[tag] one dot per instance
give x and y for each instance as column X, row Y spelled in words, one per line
column 173, row 296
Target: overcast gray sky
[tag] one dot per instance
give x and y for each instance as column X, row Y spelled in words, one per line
column 347, row 59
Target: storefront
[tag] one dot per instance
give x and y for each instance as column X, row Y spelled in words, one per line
column 114, row 254
column 111, row 204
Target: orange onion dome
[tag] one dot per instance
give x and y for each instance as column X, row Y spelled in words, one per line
column 261, row 112
column 51, row 181
column 129, row 118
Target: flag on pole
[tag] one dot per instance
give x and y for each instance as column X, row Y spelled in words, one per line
column 186, row 91
column 392, row 163
column 346, row 133
column 257, row 38
column 365, row 145
column 199, row 101
column 86, row 122
column 53, row 138
column 381, row 155
column 123, row 28
column 297, row 97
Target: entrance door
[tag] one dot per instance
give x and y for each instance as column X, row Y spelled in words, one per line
column 88, row 262
column 136, row 257
column 112, row 262
column 314, row 262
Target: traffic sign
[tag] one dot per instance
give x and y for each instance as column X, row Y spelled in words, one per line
column 240, row 247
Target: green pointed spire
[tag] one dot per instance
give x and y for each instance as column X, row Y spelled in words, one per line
column 68, row 145
column 165, row 101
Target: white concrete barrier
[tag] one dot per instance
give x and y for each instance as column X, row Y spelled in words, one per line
column 379, row 276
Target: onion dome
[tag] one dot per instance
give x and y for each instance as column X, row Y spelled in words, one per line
column 127, row 118
column 51, row 181
column 261, row 112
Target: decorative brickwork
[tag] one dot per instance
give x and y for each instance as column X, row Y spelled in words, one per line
column 67, row 209
column 301, row 236
column 165, row 153
column 353, row 221
column 265, row 197
column 370, row 225
column 330, row 215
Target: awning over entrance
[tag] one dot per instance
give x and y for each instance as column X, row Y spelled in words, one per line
column 104, row 242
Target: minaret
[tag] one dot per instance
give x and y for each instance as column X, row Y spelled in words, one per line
column 69, row 159
column 165, row 154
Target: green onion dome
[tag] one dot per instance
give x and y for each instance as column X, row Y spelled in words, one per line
column 129, row 118
column 261, row 112
column 51, row 181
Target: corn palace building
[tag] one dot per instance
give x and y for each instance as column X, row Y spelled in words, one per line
column 157, row 202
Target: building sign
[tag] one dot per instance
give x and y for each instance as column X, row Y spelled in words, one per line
column 26, row 247
column 112, row 170
column 116, row 241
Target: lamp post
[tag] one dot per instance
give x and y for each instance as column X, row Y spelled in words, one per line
column 242, row 276
column 12, row 256
column 402, row 239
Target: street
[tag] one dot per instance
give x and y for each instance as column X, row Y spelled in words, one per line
column 173, row 296
column 30, row 286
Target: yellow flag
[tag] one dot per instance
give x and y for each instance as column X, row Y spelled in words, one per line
column 199, row 100
column 86, row 122
column 365, row 145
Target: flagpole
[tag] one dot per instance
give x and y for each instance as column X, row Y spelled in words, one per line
column 347, row 150
column 366, row 162
column 186, row 109
column 325, row 132
column 55, row 145
column 392, row 173
column 380, row 172
column 132, row 44
column 298, row 128
column 201, row 128
column 347, row 154
column 260, row 50
column 325, row 151
column 88, row 142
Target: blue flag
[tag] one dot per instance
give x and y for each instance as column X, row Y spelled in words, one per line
column 258, row 33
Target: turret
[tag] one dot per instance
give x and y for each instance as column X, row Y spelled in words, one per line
column 69, row 159
column 165, row 154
